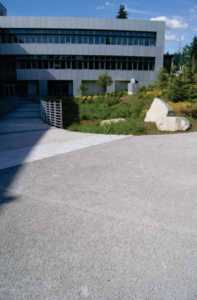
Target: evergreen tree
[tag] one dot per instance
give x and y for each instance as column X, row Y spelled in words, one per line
column 122, row 13
column 179, row 90
column 162, row 78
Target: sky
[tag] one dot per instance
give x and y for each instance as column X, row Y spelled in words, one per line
column 180, row 15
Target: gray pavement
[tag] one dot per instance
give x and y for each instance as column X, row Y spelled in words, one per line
column 24, row 137
column 112, row 221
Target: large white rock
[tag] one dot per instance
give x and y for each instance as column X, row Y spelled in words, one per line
column 158, row 110
column 173, row 124
column 104, row 122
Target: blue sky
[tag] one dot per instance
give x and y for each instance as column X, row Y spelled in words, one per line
column 180, row 15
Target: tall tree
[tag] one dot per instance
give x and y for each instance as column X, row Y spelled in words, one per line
column 122, row 13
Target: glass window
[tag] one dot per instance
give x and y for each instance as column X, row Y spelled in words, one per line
column 39, row 64
column 146, row 42
column 15, row 39
column 141, row 41
column 152, row 42
column 50, row 39
column 50, row 64
column 57, row 64
column 80, row 65
column 85, row 65
column 9, row 39
column 146, row 66
column 68, row 39
column 113, row 65
column 80, row 39
column 130, row 66
column 135, row 66
column 97, row 65
column 91, row 65
column 124, row 41
column 119, row 41
column 140, row 66
column 44, row 39
column 73, row 38
column 68, row 65
column 28, row 64
column 97, row 40
column 34, row 65
column 56, row 39
column 124, row 66
column 102, row 65
column 130, row 40
column 21, row 39
column 62, row 64
column 135, row 41
column 45, row 64
column 38, row 39
column 74, row 65
column 108, row 65
column 91, row 40
column 113, row 40
column 85, row 39
column 33, row 39
column 62, row 39
column 22, row 65
column 119, row 66
column 151, row 66
column 102, row 40
column 107, row 41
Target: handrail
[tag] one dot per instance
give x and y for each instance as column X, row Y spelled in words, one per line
column 51, row 112
column 8, row 103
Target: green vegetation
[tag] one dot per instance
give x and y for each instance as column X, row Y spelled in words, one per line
column 82, row 89
column 122, row 13
column 104, row 81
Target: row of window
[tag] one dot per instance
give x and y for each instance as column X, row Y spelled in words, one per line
column 78, row 32
column 82, row 57
column 67, row 39
column 90, row 65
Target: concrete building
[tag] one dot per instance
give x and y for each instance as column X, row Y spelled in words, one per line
column 54, row 55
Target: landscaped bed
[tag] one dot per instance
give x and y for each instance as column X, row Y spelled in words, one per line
column 85, row 114
column 179, row 90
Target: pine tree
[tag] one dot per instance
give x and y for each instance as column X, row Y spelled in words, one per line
column 162, row 78
column 122, row 13
column 179, row 90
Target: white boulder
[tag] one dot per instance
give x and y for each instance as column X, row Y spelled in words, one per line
column 104, row 122
column 173, row 124
column 158, row 110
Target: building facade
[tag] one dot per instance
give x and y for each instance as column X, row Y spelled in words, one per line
column 54, row 55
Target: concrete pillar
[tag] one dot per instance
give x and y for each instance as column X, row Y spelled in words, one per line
column 111, row 88
column 76, row 84
column 43, row 87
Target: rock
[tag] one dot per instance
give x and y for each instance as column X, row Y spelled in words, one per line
column 173, row 124
column 158, row 110
column 111, row 121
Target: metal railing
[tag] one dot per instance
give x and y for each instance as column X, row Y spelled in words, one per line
column 51, row 112
column 8, row 103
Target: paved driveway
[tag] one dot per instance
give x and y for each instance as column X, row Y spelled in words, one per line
column 112, row 221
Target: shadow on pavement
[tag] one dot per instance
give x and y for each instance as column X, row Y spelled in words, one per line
column 21, row 128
